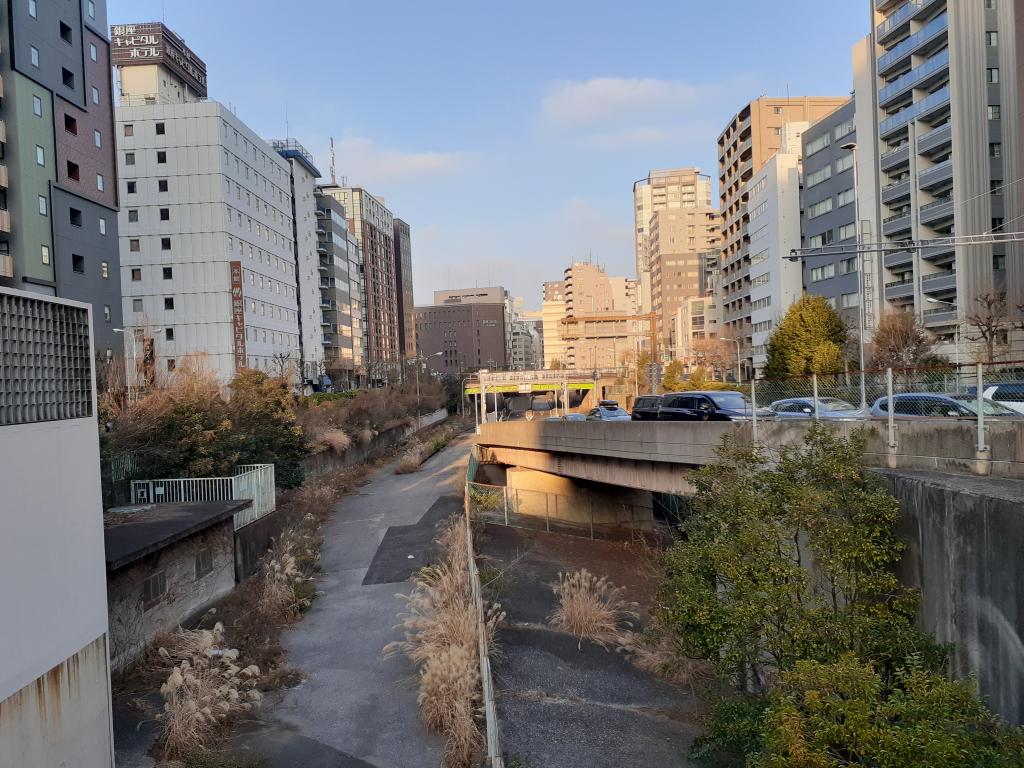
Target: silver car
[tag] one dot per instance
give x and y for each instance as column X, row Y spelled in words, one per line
column 829, row 409
column 927, row 405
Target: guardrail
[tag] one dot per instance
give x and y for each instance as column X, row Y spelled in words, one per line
column 251, row 481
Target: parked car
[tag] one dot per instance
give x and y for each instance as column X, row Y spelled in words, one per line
column 607, row 410
column 646, row 408
column 570, row 417
column 927, row 405
column 706, row 406
column 829, row 409
column 1009, row 394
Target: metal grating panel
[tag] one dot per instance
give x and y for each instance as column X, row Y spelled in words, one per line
column 45, row 361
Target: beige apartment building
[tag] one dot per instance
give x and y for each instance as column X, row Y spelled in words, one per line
column 752, row 136
column 607, row 340
column 668, row 189
column 678, row 245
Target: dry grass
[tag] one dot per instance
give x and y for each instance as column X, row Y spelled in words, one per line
column 657, row 653
column 591, row 608
column 204, row 691
column 337, row 440
column 441, row 639
column 410, row 461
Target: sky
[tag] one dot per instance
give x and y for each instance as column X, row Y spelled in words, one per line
column 508, row 135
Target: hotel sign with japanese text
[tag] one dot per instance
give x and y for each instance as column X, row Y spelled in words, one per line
column 153, row 43
column 238, row 316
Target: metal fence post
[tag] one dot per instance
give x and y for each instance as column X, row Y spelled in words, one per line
column 504, row 494
column 814, row 394
column 547, row 511
column 980, row 383
column 889, row 409
column 753, row 409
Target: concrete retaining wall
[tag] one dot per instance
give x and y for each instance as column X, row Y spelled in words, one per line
column 965, row 539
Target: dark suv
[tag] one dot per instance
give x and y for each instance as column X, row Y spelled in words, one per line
column 646, row 408
column 704, row 406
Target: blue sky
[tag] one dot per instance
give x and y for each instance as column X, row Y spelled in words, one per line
column 509, row 135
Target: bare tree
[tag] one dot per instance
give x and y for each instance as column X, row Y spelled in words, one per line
column 989, row 326
column 713, row 354
column 901, row 342
column 282, row 366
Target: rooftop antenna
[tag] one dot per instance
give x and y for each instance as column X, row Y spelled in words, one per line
column 286, row 134
column 334, row 178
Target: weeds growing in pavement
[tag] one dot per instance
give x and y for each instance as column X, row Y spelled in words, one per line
column 591, row 608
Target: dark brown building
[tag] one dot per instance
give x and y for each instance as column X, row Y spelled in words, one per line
column 468, row 336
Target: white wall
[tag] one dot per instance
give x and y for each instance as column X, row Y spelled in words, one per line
column 308, row 261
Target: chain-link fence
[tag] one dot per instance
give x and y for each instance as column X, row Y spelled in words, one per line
column 578, row 515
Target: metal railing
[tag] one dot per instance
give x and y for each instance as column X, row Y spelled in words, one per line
column 251, row 481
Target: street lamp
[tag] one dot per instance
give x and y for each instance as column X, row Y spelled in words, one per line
column 418, row 360
column 739, row 365
column 128, row 379
column 852, row 147
column 956, row 333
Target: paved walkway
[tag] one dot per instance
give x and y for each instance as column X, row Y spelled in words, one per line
column 356, row 709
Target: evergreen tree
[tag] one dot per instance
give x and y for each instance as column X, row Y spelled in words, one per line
column 809, row 339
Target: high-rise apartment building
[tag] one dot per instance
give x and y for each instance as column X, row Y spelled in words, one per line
column 54, row 650
column 552, row 311
column 341, row 294
column 679, row 241
column 58, row 178
column 752, row 136
column 946, row 103
column 403, row 290
column 587, row 289
column 662, row 190
column 302, row 182
column 374, row 227
column 206, row 233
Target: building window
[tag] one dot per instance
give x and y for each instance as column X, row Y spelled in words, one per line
column 819, row 209
column 776, row 110
column 105, row 270
column 844, row 198
column 37, row 106
column 847, row 231
column 991, row 39
column 101, row 183
column 161, row 157
column 992, row 75
column 823, row 273
column 168, row 302
column 994, row 112
column 129, row 129
column 168, row 334
column 103, row 226
column 844, row 163
column 204, row 562
column 75, row 217
column 97, row 139
column 92, row 51
column 160, row 129
column 45, row 254
column 91, row 9
column 43, row 205
column 40, row 156
column 67, row 77
column 165, row 214
column 133, row 215
column 995, row 149
column 165, row 243
column 106, row 313
column 73, row 171
column 33, row 10
column 95, row 95
column 136, row 274
column 130, row 186
column 70, row 125
column 33, row 55
column 136, row 305
column 134, row 245
column 818, row 144
column 846, row 266
column 171, row 365
column 161, row 185
column 77, row 264
column 168, row 273
column 849, row 300
column 154, row 588
column 65, row 33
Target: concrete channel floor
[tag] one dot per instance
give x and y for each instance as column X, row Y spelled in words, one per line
column 562, row 702
column 357, row 709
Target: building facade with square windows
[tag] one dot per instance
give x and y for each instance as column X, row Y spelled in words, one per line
column 58, row 179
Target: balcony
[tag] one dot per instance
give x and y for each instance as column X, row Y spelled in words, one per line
column 900, row 289
column 746, row 169
column 939, row 316
column 898, row 259
column 936, row 176
column 897, row 224
column 938, row 211
column 929, row 73
column 936, row 140
column 919, row 110
column 939, row 254
column 321, row 232
column 6, row 265
column 928, row 37
column 3, row 132
column 896, row 191
column 939, row 282
column 5, row 221
column 899, row 19
column 3, row 176
column 322, row 213
column 894, row 158
column 321, row 248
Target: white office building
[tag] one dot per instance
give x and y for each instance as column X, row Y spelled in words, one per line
column 773, row 209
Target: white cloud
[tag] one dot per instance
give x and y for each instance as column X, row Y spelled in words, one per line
column 601, row 99
column 363, row 162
